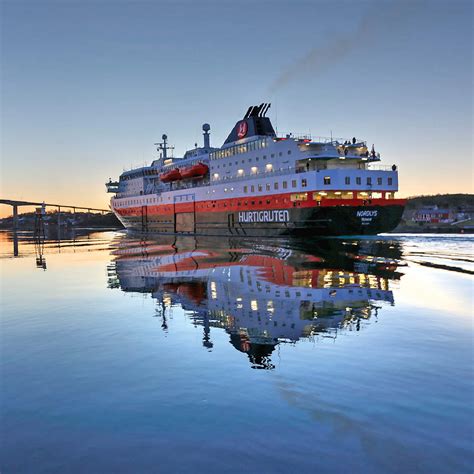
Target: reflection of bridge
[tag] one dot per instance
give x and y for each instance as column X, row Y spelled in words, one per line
column 15, row 204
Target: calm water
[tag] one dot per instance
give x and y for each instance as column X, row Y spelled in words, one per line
column 137, row 356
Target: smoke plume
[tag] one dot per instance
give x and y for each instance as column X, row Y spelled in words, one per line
column 371, row 26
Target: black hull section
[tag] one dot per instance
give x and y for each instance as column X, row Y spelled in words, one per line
column 314, row 221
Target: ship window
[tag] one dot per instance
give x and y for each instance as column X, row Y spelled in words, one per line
column 369, row 180
column 289, row 152
column 293, row 183
column 285, row 184
column 257, row 158
column 279, row 154
column 245, row 189
column 267, row 187
column 358, row 180
column 252, row 188
column 390, row 181
column 272, row 155
column 348, row 180
column 259, row 188
column 275, row 185
column 299, row 197
column 250, row 160
column 264, row 157
column 327, row 180
column 304, row 183
column 379, row 181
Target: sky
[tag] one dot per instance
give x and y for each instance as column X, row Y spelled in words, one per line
column 87, row 87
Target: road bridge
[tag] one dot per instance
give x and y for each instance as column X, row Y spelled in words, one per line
column 16, row 204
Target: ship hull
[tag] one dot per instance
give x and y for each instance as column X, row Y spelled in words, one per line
column 309, row 221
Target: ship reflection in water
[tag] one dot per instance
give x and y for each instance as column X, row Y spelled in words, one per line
column 261, row 293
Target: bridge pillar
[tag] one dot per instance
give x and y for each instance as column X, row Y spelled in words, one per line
column 59, row 227
column 15, row 217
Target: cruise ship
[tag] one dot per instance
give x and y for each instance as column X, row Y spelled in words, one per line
column 261, row 184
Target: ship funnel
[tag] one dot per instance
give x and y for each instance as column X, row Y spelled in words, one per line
column 206, row 127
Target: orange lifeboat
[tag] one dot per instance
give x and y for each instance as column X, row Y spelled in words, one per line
column 171, row 175
column 197, row 171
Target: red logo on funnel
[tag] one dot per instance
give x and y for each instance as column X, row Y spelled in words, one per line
column 242, row 129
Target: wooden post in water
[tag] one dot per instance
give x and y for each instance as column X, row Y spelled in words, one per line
column 15, row 243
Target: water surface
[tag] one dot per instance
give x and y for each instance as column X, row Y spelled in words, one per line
column 129, row 354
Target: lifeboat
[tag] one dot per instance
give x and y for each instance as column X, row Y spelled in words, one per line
column 197, row 171
column 171, row 175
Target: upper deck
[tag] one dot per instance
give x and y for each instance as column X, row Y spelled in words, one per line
column 253, row 151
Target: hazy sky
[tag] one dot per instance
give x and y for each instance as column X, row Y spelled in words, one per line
column 89, row 86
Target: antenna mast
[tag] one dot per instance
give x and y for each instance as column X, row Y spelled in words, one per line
column 163, row 146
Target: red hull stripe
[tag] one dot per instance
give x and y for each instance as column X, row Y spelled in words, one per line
column 274, row 201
